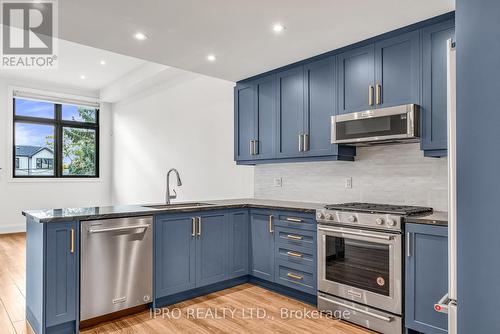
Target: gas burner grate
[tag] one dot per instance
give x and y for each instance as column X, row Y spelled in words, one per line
column 379, row 208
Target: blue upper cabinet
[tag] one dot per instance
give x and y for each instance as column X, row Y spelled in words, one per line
column 175, row 239
column 397, row 70
column 434, row 95
column 320, row 93
column 211, row 248
column 262, row 244
column 356, row 71
column 290, row 112
column 61, row 273
column 265, row 118
column 244, row 99
column 426, row 277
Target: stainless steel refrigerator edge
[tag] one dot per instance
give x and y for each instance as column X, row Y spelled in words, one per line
column 452, row 190
column 116, row 265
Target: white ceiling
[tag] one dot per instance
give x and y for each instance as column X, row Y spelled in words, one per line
column 75, row 60
column 182, row 32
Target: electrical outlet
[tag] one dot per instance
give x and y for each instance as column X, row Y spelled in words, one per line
column 278, row 182
column 348, row 183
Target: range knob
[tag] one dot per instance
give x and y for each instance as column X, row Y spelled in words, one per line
column 391, row 222
column 320, row 215
column 329, row 216
column 379, row 221
column 351, row 218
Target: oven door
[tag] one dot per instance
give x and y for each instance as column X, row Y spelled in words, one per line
column 362, row 266
column 379, row 125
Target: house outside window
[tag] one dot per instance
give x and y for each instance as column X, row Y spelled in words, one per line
column 53, row 139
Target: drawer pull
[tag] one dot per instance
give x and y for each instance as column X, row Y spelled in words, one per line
column 294, row 276
column 294, row 254
column 271, row 224
column 294, row 237
column 295, row 220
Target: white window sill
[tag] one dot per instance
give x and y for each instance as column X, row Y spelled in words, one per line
column 54, row 180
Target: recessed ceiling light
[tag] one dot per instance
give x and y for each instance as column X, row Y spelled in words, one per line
column 82, row 77
column 140, row 36
column 278, row 27
column 103, row 62
column 211, row 57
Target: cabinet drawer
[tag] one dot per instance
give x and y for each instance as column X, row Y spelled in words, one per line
column 296, row 221
column 299, row 255
column 292, row 236
column 296, row 277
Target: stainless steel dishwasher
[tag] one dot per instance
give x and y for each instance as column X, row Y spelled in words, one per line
column 116, row 265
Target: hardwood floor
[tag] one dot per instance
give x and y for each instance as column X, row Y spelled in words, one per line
column 227, row 311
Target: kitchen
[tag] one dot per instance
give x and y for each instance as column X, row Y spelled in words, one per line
column 211, row 187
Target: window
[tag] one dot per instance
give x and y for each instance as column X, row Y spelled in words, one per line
column 55, row 139
column 44, row 163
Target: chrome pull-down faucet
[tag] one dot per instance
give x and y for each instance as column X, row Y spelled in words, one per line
column 168, row 196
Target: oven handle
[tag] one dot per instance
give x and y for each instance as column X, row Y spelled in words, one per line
column 377, row 316
column 362, row 234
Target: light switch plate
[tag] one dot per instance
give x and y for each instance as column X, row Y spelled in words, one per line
column 278, row 182
column 348, row 183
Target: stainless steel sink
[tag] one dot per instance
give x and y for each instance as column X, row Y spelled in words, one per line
column 176, row 205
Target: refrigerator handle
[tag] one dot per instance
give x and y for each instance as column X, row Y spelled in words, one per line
column 442, row 305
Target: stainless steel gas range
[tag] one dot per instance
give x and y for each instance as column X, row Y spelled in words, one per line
column 360, row 262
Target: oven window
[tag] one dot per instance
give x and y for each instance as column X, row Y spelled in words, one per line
column 360, row 264
column 372, row 127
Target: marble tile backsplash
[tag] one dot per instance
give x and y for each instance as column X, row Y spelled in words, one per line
column 394, row 174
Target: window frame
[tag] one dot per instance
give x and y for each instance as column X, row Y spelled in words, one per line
column 59, row 124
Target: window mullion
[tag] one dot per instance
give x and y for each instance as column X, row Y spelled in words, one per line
column 58, row 161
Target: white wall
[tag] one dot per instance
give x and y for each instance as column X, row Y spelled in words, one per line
column 395, row 174
column 17, row 195
column 187, row 123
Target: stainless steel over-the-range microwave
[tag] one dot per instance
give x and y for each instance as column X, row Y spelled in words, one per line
column 377, row 126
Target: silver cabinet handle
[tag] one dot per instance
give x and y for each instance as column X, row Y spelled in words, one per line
column 378, row 94
column 72, row 241
column 255, row 147
column 370, row 95
column 301, row 148
column 408, row 244
column 361, row 234
column 123, row 228
column 377, row 316
column 271, row 224
column 306, row 142
column 251, row 147
column 199, row 225
column 193, row 226
column 295, row 220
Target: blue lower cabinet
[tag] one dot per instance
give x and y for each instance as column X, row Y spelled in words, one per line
column 296, row 276
column 238, row 243
column 211, row 248
column 175, row 256
column 262, row 244
column 426, row 277
column 52, row 279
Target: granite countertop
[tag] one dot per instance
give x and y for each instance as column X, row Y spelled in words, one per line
column 105, row 212
column 436, row 218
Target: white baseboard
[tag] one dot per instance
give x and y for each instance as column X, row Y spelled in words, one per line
column 4, row 229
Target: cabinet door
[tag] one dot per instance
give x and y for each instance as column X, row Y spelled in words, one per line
column 61, row 272
column 320, row 94
column 434, row 92
column 356, row 79
column 244, row 118
column 174, row 254
column 265, row 129
column 238, row 251
column 290, row 111
column 262, row 245
column 211, row 249
column 397, row 70
column 426, row 277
